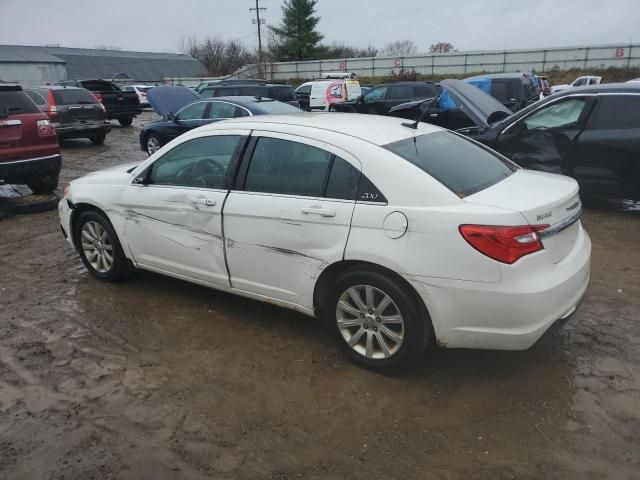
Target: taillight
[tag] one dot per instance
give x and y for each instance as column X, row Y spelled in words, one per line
column 45, row 129
column 98, row 96
column 99, row 100
column 52, row 110
column 504, row 244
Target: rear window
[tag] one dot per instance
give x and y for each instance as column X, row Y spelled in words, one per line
column 73, row 96
column 459, row 164
column 144, row 89
column 505, row 89
column 276, row 107
column 99, row 86
column 16, row 102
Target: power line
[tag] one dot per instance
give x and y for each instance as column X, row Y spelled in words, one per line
column 259, row 21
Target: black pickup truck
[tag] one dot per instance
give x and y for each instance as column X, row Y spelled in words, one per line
column 120, row 105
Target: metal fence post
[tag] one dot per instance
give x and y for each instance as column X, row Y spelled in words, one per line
column 504, row 61
column 544, row 60
column 586, row 57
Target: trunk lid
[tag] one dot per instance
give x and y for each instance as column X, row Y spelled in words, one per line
column 76, row 105
column 542, row 199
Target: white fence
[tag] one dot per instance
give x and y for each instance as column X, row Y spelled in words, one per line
column 539, row 60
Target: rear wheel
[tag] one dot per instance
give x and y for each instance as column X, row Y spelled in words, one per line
column 45, row 184
column 99, row 247
column 377, row 322
column 98, row 139
column 125, row 122
column 152, row 144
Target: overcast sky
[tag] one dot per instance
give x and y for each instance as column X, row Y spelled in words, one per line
column 158, row 25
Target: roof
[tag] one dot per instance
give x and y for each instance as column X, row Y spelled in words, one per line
column 500, row 75
column 376, row 129
column 601, row 88
column 94, row 63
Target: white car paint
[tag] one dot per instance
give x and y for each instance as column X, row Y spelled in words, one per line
column 141, row 91
column 578, row 82
column 329, row 91
column 274, row 247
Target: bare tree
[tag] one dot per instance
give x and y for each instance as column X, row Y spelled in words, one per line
column 399, row 48
column 219, row 57
column 441, row 47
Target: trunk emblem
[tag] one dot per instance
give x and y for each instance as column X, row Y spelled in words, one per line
column 543, row 216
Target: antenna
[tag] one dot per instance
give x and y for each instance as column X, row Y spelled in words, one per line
column 259, row 21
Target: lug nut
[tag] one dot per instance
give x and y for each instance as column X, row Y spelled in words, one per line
column 365, row 327
column 375, row 329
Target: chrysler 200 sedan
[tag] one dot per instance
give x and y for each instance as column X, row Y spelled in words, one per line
column 396, row 236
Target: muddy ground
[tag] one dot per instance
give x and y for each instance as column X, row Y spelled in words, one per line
column 158, row 379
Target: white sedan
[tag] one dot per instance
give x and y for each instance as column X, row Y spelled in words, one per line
column 396, row 237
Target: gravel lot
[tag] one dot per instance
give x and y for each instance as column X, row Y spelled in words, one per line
column 155, row 378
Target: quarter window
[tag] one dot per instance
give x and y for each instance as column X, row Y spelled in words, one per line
column 226, row 110
column 563, row 114
column 617, row 111
column 401, row 92
column 201, row 162
column 193, row 112
column 343, row 180
column 285, row 167
column 36, row 97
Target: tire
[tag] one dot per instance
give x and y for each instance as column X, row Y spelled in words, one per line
column 125, row 122
column 44, row 185
column 152, row 144
column 98, row 139
column 407, row 319
column 94, row 225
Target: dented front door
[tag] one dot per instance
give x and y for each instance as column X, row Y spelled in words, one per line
column 173, row 221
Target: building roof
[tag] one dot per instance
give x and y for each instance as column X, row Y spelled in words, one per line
column 94, row 63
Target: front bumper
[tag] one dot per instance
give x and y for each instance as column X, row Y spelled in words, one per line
column 512, row 314
column 64, row 212
column 24, row 171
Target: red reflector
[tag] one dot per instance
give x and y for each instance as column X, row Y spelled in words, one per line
column 504, row 244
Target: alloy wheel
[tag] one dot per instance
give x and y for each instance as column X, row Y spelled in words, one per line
column 153, row 145
column 370, row 322
column 97, row 247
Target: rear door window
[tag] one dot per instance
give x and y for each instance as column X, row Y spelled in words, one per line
column 376, row 95
column 401, row 92
column 16, row 102
column 286, row 167
column 617, row 111
column 459, row 164
column 226, row 110
column 425, row 92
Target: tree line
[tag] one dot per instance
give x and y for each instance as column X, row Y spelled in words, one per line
column 295, row 38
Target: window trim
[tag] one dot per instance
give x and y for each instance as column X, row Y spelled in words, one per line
column 206, row 111
column 211, row 102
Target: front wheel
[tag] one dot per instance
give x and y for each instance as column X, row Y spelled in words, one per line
column 98, row 139
column 125, row 122
column 99, row 247
column 152, row 144
column 377, row 322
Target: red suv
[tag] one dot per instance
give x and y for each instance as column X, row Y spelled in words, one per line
column 29, row 150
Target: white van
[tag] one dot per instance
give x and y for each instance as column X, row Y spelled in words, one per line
column 332, row 88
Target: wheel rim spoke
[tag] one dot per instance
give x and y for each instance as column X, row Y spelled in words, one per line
column 348, row 323
column 368, row 293
column 369, row 347
column 97, row 247
column 356, row 337
column 383, row 345
column 345, row 307
column 391, row 319
column 355, row 296
column 391, row 334
column 384, row 303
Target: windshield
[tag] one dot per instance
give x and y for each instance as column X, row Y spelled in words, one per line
column 459, row 164
column 271, row 106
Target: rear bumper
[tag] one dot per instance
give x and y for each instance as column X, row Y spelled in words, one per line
column 23, row 171
column 83, row 130
column 115, row 113
column 512, row 314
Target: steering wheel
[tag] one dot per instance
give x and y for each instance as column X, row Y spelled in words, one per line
column 206, row 172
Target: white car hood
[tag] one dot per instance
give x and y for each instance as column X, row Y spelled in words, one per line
column 119, row 174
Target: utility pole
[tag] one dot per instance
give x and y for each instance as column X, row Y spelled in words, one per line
column 259, row 21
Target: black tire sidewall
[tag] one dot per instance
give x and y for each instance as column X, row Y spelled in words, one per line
column 119, row 266
column 98, row 139
column 44, row 184
column 417, row 326
column 125, row 122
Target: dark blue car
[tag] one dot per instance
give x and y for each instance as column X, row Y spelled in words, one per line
column 182, row 110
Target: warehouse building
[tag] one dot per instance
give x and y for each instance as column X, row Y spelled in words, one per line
column 29, row 65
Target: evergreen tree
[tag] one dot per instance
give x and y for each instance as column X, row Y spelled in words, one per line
column 297, row 37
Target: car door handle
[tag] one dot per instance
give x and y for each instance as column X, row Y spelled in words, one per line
column 209, row 202
column 324, row 212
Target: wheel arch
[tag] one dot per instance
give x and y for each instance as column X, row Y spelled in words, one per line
column 333, row 271
column 79, row 209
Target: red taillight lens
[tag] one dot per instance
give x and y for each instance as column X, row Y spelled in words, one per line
column 52, row 110
column 99, row 100
column 504, row 244
column 45, row 129
column 98, row 96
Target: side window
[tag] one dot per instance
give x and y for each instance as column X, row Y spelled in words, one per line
column 617, row 111
column 285, row 167
column 126, row 89
column 579, row 82
column 424, row 92
column 193, row 112
column 305, row 90
column 593, row 81
column 225, row 110
column 401, row 92
column 36, row 97
column 376, row 94
column 343, row 180
column 563, row 114
column 201, row 162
